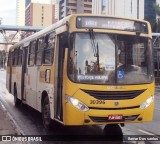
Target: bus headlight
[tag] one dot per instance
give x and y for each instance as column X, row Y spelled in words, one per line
column 147, row 102
column 76, row 103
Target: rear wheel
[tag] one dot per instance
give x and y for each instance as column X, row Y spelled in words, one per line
column 46, row 117
column 17, row 101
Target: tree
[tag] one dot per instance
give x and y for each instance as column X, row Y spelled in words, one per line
column 153, row 22
column 157, row 20
column 157, row 9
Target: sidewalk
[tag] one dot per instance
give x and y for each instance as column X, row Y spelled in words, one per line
column 7, row 126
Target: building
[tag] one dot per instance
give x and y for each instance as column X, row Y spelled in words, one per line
column 20, row 10
column 38, row 1
column 125, row 8
column 56, row 3
column 41, row 1
column 27, row 2
column 67, row 7
column 104, row 6
column 97, row 6
column 38, row 14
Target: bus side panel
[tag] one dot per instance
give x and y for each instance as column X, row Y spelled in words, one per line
column 8, row 74
column 41, row 87
column 18, row 81
column 51, row 91
column 13, row 79
column 40, row 90
column 148, row 113
column 24, row 74
column 31, row 89
column 45, row 84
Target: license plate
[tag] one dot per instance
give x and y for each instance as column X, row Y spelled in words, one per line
column 115, row 117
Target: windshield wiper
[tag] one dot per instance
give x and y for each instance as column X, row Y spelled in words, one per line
column 95, row 46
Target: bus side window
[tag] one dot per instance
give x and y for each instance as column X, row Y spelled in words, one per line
column 40, row 48
column 32, row 48
column 49, row 49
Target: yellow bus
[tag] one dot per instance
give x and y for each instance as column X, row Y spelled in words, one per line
column 86, row 70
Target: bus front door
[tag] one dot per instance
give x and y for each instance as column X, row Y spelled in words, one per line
column 58, row 92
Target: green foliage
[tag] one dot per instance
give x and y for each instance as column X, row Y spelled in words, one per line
column 157, row 9
column 155, row 23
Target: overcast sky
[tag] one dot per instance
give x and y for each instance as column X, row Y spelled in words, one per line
column 8, row 12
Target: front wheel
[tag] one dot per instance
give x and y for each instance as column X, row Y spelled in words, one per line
column 46, row 113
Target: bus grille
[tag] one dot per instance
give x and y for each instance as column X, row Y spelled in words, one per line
column 105, row 119
column 114, row 95
column 115, row 108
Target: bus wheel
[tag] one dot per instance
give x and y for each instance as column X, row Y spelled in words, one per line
column 16, row 100
column 46, row 113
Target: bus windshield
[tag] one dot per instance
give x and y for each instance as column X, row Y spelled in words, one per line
column 101, row 58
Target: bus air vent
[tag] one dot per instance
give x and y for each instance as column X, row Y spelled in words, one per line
column 114, row 95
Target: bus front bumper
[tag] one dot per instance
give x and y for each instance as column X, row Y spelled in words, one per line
column 73, row 116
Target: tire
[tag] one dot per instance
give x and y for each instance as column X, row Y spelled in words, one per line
column 46, row 115
column 17, row 101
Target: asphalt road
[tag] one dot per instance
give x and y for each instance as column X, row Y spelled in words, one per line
column 30, row 123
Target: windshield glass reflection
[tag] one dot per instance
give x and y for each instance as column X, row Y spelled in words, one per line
column 100, row 58
column 134, row 60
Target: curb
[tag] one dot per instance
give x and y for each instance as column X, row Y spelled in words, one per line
column 13, row 122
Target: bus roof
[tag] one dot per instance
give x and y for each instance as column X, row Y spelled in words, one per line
column 40, row 33
column 60, row 23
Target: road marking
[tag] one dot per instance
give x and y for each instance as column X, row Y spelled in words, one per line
column 148, row 133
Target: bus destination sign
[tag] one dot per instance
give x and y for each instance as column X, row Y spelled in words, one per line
column 111, row 23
